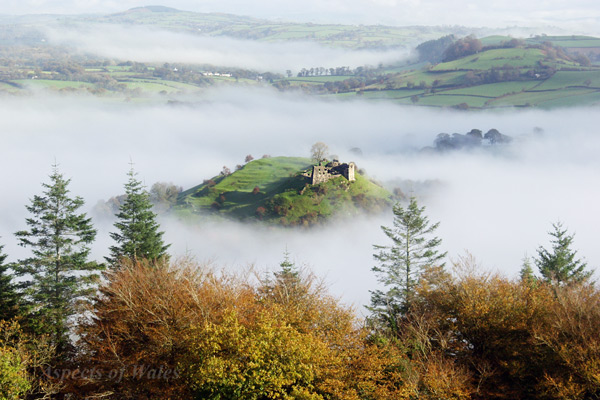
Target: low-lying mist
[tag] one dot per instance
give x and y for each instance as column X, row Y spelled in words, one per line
column 144, row 44
column 497, row 204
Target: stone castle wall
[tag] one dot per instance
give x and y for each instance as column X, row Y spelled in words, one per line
column 323, row 173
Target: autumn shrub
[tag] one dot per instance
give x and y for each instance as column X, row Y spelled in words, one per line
column 159, row 330
column 180, row 330
column 24, row 363
column 14, row 378
column 515, row 339
column 260, row 358
column 570, row 331
column 136, row 333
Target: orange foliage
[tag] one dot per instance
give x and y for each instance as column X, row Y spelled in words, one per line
column 468, row 336
column 140, row 327
column 519, row 339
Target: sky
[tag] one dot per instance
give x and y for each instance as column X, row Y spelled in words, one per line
column 573, row 15
column 498, row 206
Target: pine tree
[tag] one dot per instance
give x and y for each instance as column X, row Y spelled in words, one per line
column 8, row 295
column 287, row 284
column 559, row 264
column 526, row 272
column 288, row 270
column 58, row 273
column 400, row 264
column 138, row 236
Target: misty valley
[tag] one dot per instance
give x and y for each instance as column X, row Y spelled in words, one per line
column 199, row 205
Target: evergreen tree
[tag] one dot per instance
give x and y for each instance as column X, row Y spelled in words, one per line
column 287, row 284
column 526, row 272
column 288, row 270
column 138, row 236
column 401, row 262
column 559, row 264
column 8, row 295
column 58, row 272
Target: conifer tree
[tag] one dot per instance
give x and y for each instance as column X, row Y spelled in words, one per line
column 288, row 270
column 8, row 295
column 400, row 263
column 559, row 264
column 526, row 272
column 138, row 235
column 58, row 271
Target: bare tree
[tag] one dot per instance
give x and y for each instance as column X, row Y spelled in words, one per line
column 319, row 151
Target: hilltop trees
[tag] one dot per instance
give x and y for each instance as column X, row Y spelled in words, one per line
column 319, row 151
column 138, row 236
column 433, row 50
column 164, row 195
column 559, row 265
column 463, row 47
column 402, row 261
column 58, row 272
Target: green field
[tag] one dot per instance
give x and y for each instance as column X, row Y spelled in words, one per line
column 452, row 100
column 318, row 79
column 391, row 94
column 153, row 86
column 282, row 193
column 586, row 99
column 494, row 58
column 53, row 84
column 523, row 77
column 565, row 79
column 568, row 41
column 416, row 77
column 566, row 97
column 492, row 90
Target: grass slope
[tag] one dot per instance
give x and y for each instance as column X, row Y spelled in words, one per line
column 283, row 195
column 497, row 77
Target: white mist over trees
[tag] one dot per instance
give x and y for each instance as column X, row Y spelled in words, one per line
column 480, row 198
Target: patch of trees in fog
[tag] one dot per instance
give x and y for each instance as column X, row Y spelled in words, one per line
column 472, row 139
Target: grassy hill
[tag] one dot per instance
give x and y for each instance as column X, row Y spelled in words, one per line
column 530, row 75
column 272, row 190
column 220, row 24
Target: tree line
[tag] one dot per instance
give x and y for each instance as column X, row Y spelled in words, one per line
column 141, row 325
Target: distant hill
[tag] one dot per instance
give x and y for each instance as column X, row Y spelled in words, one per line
column 544, row 71
column 272, row 190
column 498, row 71
column 249, row 28
column 154, row 9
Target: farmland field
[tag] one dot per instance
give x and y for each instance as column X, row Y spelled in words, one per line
column 563, row 79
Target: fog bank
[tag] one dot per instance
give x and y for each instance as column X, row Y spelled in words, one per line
column 498, row 205
column 143, row 44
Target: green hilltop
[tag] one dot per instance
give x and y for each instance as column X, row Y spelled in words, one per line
column 273, row 190
column 544, row 72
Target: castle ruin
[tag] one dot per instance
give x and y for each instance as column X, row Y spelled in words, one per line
column 333, row 169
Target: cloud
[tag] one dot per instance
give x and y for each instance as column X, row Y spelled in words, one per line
column 497, row 205
column 148, row 45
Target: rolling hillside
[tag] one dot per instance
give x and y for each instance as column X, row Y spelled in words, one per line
column 528, row 75
column 538, row 71
column 272, row 190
